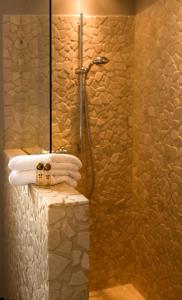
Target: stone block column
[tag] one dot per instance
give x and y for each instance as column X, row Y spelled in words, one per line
column 46, row 242
column 68, row 242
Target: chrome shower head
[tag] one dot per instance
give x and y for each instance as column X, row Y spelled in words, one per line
column 100, row 60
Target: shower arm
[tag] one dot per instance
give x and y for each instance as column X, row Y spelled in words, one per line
column 84, row 69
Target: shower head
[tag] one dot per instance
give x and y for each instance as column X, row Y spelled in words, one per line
column 100, row 60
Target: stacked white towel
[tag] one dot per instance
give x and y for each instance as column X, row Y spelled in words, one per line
column 64, row 168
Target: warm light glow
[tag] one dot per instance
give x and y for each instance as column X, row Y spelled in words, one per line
column 80, row 7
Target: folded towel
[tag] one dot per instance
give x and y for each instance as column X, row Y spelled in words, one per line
column 29, row 162
column 54, row 172
column 24, row 178
column 64, row 166
column 65, row 172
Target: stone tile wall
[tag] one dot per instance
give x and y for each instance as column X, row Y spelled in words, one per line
column 110, row 97
column 135, row 237
column 26, row 81
column 157, row 151
column 46, row 243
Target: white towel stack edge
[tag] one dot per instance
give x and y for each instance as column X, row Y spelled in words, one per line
column 64, row 168
column 29, row 162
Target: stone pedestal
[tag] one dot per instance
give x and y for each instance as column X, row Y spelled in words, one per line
column 47, row 243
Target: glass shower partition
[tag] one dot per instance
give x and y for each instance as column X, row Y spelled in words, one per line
column 26, row 75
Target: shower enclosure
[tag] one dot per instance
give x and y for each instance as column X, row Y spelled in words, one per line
column 102, row 80
column 134, row 108
column 100, row 47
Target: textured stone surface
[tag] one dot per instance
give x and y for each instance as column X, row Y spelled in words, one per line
column 26, row 264
column 122, row 292
column 157, row 160
column 109, row 98
column 26, row 81
column 109, row 89
column 68, row 272
column 135, row 237
column 45, row 260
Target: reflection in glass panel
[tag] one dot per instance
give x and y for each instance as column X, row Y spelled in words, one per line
column 26, row 57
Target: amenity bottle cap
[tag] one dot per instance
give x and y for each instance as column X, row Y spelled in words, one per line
column 40, row 166
column 47, row 167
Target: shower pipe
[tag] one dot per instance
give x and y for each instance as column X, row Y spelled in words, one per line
column 82, row 71
column 50, row 75
column 84, row 108
column 81, row 81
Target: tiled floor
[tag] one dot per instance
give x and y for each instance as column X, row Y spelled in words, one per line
column 122, row 292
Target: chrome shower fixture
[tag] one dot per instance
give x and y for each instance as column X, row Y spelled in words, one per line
column 100, row 60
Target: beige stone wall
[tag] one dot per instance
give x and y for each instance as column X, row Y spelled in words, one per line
column 157, row 165
column 135, row 237
column 26, row 81
column 110, row 98
column 46, row 243
column 109, row 91
column 94, row 7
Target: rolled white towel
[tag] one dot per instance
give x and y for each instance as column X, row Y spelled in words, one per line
column 29, row 162
column 27, row 177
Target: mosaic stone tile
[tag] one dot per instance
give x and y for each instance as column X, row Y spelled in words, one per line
column 135, row 114
column 109, row 93
column 26, row 81
column 108, row 98
column 45, row 255
column 157, row 162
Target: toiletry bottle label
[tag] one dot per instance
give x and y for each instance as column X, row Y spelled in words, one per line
column 47, row 174
column 40, row 174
